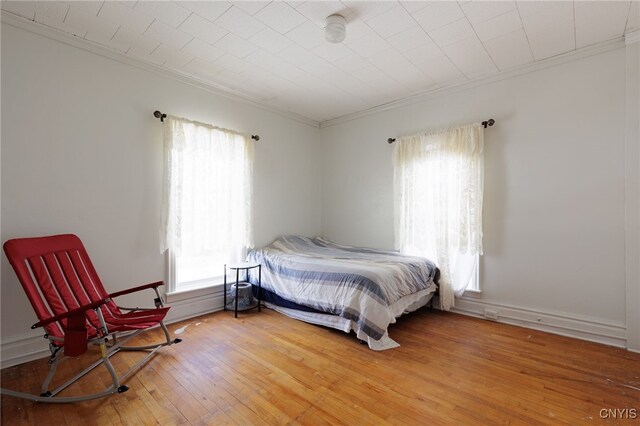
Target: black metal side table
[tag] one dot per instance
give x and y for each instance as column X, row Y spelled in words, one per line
column 243, row 266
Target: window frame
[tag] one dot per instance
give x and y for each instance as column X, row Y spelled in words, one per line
column 474, row 290
column 203, row 266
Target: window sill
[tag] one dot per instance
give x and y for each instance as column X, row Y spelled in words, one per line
column 472, row 294
column 191, row 292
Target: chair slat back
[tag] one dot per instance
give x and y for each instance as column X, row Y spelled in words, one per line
column 57, row 276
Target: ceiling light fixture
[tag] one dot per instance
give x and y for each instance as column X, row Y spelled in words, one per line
column 335, row 28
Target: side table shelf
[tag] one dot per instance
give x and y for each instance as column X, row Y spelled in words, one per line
column 243, row 266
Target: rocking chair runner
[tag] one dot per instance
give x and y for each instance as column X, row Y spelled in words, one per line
column 75, row 310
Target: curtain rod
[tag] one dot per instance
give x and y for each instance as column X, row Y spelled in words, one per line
column 490, row 122
column 161, row 116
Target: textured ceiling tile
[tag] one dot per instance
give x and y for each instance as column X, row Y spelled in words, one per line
column 95, row 28
column 202, row 29
column 209, row 10
column 599, row 21
column 549, row 43
column 280, row 16
column 100, row 30
column 423, row 53
column 233, row 44
column 88, row 7
column 296, row 55
column 251, row 7
column 509, row 50
column 233, row 63
column 369, row 73
column 317, row 67
column 166, row 11
column 391, row 22
column 480, row 11
column 307, row 35
column 388, row 60
column 366, row 10
column 168, row 34
column 52, row 13
column 346, row 81
column 392, row 88
column 263, row 59
column 270, row 40
column 122, row 14
column 125, row 39
column 357, row 29
column 202, row 50
column 317, row 11
column 441, row 70
column 172, row 58
column 201, row 67
column 414, row 6
column 438, row 14
column 351, row 63
column 500, row 25
column 412, row 78
column 332, row 51
column 368, row 46
column 25, row 9
column 285, row 70
column 374, row 98
column 146, row 57
column 409, row 39
column 470, row 57
column 542, row 16
column 452, row 33
column 239, row 23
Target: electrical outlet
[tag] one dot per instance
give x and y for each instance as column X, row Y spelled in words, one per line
column 489, row 314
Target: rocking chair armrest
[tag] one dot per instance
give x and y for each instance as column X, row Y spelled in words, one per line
column 70, row 313
column 135, row 289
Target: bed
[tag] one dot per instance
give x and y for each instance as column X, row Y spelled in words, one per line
column 344, row 287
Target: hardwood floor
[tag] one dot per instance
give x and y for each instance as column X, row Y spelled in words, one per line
column 264, row 368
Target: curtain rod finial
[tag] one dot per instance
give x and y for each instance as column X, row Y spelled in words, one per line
column 490, row 122
column 391, row 140
column 161, row 116
column 255, row 137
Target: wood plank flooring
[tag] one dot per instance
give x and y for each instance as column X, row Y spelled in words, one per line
column 265, row 368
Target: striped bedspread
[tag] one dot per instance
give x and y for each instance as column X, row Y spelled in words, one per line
column 355, row 283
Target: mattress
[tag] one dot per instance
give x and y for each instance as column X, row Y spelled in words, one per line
column 366, row 289
column 405, row 305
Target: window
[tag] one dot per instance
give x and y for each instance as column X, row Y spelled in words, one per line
column 207, row 201
column 438, row 180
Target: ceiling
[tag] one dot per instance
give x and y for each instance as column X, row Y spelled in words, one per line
column 275, row 53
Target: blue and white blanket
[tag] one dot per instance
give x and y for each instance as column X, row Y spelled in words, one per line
column 355, row 283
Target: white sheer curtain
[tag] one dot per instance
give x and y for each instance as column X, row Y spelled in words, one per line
column 207, row 192
column 438, row 188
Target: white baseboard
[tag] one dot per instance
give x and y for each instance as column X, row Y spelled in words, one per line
column 23, row 349
column 29, row 347
column 598, row 331
column 195, row 306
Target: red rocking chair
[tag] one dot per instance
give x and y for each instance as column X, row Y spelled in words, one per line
column 75, row 310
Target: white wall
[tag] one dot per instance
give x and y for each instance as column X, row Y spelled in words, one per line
column 554, row 188
column 632, row 167
column 82, row 153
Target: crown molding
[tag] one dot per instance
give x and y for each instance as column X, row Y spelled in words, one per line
column 511, row 73
column 632, row 37
column 10, row 19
